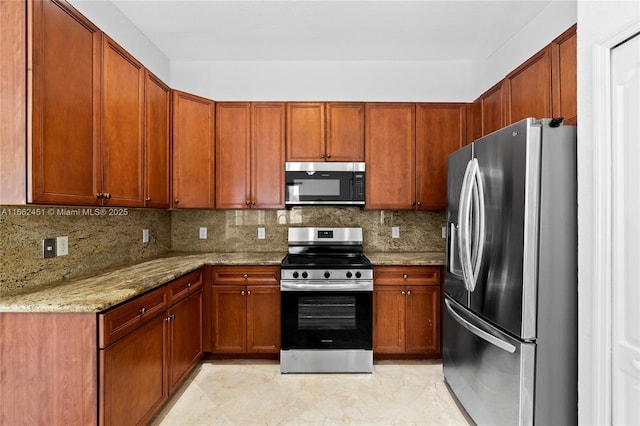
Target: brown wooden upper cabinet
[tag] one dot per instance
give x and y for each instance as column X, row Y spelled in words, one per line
column 492, row 109
column 122, row 146
column 65, row 105
column 440, row 130
column 157, row 136
column 529, row 88
column 390, row 155
column 250, row 155
column 564, row 71
column 193, row 151
column 345, row 131
column 319, row 131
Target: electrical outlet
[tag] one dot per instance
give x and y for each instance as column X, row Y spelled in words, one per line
column 62, row 246
column 395, row 232
column 444, row 232
column 261, row 233
column 48, row 248
column 145, row 235
column 203, row 233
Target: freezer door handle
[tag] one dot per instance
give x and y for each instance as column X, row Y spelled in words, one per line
column 506, row 346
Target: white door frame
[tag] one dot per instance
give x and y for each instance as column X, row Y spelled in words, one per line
column 595, row 291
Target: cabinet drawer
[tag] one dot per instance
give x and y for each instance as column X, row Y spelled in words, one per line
column 402, row 275
column 123, row 319
column 239, row 275
column 184, row 286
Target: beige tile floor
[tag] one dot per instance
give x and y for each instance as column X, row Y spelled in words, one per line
column 255, row 393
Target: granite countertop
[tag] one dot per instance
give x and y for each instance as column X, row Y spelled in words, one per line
column 102, row 291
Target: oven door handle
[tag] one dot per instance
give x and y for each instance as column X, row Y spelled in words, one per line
column 320, row 286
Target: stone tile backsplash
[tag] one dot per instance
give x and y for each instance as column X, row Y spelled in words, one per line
column 96, row 242
column 99, row 242
column 237, row 230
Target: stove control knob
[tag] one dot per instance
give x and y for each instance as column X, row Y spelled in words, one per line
column 358, row 275
column 305, row 275
column 349, row 274
column 327, row 274
column 295, row 275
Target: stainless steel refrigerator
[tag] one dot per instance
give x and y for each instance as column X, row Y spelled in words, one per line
column 510, row 323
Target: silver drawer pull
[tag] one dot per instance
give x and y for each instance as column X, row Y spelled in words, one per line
column 143, row 310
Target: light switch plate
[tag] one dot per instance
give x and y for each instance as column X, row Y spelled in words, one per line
column 145, row 235
column 48, row 248
column 62, row 246
column 203, row 233
column 261, row 233
column 395, row 232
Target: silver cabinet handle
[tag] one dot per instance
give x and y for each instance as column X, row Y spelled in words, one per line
column 402, row 292
column 248, row 292
column 242, row 292
column 408, row 292
column 245, row 276
column 405, row 276
column 143, row 310
column 188, row 285
column 505, row 346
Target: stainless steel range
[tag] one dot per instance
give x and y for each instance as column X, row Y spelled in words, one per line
column 326, row 288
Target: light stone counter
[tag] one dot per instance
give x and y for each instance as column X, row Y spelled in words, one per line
column 105, row 290
column 406, row 259
column 108, row 289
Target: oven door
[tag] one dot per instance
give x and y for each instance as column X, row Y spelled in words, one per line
column 326, row 320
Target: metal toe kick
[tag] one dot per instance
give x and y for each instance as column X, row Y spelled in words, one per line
column 326, row 361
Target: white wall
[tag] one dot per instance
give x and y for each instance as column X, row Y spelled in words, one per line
column 552, row 21
column 599, row 22
column 324, row 80
column 454, row 81
column 116, row 25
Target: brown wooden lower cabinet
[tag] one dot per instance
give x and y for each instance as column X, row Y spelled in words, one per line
column 406, row 311
column 139, row 372
column 133, row 372
column 116, row 367
column 245, row 311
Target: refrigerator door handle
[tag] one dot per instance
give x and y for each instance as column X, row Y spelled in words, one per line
column 479, row 223
column 508, row 347
column 464, row 234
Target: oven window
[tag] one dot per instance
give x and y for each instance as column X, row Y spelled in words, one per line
column 317, row 187
column 326, row 319
column 327, row 313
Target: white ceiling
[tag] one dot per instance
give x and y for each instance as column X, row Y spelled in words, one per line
column 329, row 30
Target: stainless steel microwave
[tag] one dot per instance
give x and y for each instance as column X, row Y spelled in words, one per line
column 328, row 183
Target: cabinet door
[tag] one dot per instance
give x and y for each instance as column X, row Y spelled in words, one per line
column 267, row 155
column 390, row 156
column 529, row 88
column 233, row 155
column 193, row 151
column 305, row 131
column 440, row 131
column 492, row 109
column 185, row 338
column 229, row 319
column 263, row 319
column 157, row 100
column 133, row 372
column 122, row 127
column 65, row 106
column 564, row 71
column 388, row 319
column 345, row 131
column 422, row 332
